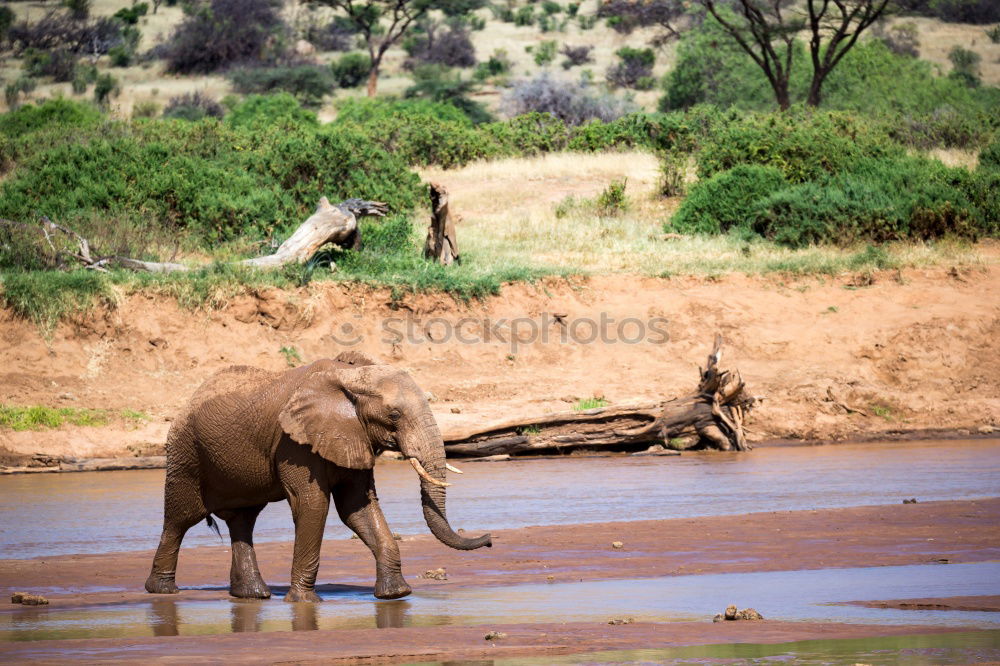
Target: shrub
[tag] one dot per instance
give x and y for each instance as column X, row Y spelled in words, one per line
column 370, row 112
column 105, row 87
column 576, row 55
column 612, row 200
column 529, row 134
column 725, row 201
column 989, row 157
column 451, row 47
column 572, row 103
column 223, row 33
column 79, row 10
column 270, row 111
column 23, row 85
column 83, row 77
column 193, row 106
column 131, row 15
column 524, row 16
column 438, row 84
column 635, row 64
column 497, row 65
column 993, row 33
column 58, row 30
column 965, row 66
column 6, row 20
column 958, row 11
column 351, row 69
column 214, row 180
column 53, row 113
column 58, row 63
column 902, row 39
column 145, row 109
column 337, row 35
column 878, row 200
column 544, row 53
column 551, row 7
column 308, row 83
column 803, row 144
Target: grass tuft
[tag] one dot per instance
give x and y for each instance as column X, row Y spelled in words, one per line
column 591, row 403
column 38, row 417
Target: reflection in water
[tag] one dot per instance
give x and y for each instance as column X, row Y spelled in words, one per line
column 304, row 617
column 246, row 615
column 391, row 614
column 163, row 614
column 116, row 511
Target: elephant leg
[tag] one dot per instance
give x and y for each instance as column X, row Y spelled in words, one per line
column 357, row 505
column 309, row 498
column 183, row 508
column 245, row 581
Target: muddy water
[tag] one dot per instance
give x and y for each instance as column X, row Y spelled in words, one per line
column 784, row 595
column 51, row 514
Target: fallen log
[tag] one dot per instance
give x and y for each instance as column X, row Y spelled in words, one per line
column 712, row 417
column 328, row 224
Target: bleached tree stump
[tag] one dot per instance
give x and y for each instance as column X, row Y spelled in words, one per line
column 442, row 242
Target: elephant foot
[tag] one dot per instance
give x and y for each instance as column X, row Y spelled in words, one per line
column 253, row 590
column 391, row 587
column 159, row 584
column 295, row 594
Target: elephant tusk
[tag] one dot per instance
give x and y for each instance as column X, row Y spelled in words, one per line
column 422, row 473
column 452, row 468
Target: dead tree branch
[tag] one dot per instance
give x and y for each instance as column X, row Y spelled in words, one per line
column 712, row 417
column 329, row 224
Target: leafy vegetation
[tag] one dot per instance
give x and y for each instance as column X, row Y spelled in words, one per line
column 37, row 417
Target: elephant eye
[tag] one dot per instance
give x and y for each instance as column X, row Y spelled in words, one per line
column 395, row 414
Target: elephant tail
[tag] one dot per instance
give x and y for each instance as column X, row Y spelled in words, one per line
column 213, row 525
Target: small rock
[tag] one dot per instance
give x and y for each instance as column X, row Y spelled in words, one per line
column 985, row 429
column 456, row 410
column 436, row 574
column 494, row 636
column 26, row 599
column 550, row 578
column 159, row 342
column 621, row 620
column 617, row 545
column 732, row 613
column 912, row 500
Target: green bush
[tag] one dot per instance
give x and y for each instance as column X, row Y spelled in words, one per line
column 215, row 180
column 989, row 158
column 726, row 200
column 270, row 111
column 351, row 69
column 805, row 145
column 54, row 113
column 878, row 200
column 308, row 83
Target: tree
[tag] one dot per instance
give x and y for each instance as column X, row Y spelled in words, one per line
column 381, row 23
column 766, row 30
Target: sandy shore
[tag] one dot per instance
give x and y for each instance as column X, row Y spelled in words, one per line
column 958, row 531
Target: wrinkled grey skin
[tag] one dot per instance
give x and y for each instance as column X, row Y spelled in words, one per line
column 249, row 437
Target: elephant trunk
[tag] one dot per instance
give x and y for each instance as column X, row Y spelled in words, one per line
column 429, row 452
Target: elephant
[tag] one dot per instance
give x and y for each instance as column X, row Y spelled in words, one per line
column 249, row 437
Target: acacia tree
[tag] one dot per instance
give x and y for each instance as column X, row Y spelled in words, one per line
column 627, row 15
column 381, row 23
column 767, row 29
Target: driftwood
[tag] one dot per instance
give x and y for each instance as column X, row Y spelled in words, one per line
column 329, row 224
column 442, row 242
column 712, row 417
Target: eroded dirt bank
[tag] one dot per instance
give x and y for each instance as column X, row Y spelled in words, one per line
column 961, row 531
column 917, row 349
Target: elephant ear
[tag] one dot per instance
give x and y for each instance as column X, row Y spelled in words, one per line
column 321, row 414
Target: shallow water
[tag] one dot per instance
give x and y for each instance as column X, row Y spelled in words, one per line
column 781, row 595
column 913, row 649
column 92, row 512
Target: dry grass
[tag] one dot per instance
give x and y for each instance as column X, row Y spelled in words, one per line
column 540, row 212
column 938, row 38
